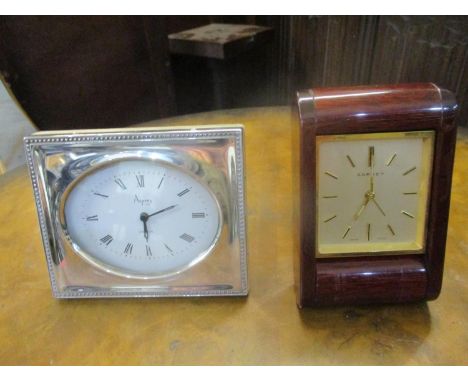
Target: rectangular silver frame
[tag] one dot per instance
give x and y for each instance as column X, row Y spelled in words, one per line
column 50, row 157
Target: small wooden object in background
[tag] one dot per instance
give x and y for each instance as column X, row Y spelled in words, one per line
column 209, row 61
column 222, row 41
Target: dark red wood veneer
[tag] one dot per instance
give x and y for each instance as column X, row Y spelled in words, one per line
column 371, row 109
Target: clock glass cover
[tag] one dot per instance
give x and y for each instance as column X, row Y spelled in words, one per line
column 141, row 218
column 372, row 192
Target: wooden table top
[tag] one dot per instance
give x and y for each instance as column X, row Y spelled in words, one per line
column 264, row 328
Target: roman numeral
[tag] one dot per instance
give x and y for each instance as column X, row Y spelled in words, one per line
column 140, row 180
column 120, row 183
column 182, row 193
column 98, row 194
column 93, row 218
column 148, row 251
column 128, row 248
column 169, row 249
column 106, row 239
column 161, row 181
column 188, row 238
column 198, row 215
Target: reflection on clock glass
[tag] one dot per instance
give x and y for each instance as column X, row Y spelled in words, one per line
column 142, row 218
column 373, row 191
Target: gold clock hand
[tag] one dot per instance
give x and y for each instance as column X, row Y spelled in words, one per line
column 378, row 206
column 363, row 206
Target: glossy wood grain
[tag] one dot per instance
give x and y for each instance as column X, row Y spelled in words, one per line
column 266, row 328
column 366, row 109
column 325, row 51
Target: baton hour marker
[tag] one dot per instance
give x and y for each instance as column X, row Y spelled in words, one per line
column 346, row 232
column 330, row 174
column 333, row 217
column 408, row 171
column 350, row 161
column 391, row 160
column 407, row 214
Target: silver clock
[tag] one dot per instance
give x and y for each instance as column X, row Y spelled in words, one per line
column 150, row 212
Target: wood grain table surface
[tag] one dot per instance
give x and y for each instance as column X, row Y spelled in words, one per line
column 266, row 328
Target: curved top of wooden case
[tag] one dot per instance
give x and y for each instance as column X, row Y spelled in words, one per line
column 374, row 108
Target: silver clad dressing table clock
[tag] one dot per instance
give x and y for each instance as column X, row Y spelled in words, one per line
column 150, row 212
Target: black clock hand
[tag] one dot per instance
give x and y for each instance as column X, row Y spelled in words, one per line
column 160, row 211
column 144, row 219
column 145, row 229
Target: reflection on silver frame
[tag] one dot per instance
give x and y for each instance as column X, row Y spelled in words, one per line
column 211, row 154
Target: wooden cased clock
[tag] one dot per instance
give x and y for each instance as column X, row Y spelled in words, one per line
column 375, row 177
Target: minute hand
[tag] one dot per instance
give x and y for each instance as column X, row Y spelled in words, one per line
column 163, row 210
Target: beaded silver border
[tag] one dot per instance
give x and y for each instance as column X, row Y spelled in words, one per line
column 144, row 135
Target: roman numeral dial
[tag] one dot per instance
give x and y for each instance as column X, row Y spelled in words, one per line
column 372, row 192
column 142, row 218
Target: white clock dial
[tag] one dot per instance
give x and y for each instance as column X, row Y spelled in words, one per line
column 142, row 218
column 372, row 192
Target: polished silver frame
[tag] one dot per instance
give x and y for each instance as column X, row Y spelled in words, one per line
column 213, row 154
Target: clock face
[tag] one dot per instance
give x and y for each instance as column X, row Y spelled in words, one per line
column 372, row 192
column 141, row 218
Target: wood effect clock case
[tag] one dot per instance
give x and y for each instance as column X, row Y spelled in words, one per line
column 387, row 278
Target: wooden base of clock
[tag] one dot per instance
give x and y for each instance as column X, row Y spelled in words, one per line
column 386, row 278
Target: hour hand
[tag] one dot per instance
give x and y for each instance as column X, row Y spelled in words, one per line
column 145, row 230
column 361, row 209
column 144, row 219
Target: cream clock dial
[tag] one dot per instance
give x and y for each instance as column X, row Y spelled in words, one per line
column 372, row 192
column 141, row 218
